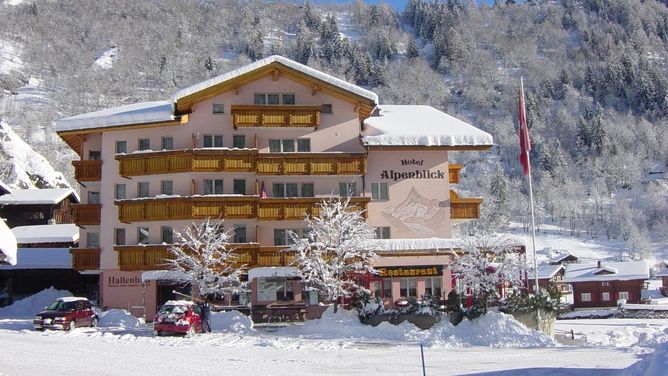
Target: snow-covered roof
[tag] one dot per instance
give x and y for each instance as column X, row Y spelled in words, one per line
column 281, row 60
column 561, row 257
column 60, row 233
column 547, row 271
column 41, row 258
column 4, row 188
column 389, row 245
column 416, row 125
column 49, row 196
column 276, row 271
column 7, row 244
column 67, row 299
column 164, row 275
column 136, row 113
column 662, row 273
column 607, row 271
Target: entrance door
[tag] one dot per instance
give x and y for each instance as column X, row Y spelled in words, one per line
column 165, row 291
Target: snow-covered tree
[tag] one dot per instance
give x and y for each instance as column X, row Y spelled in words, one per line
column 487, row 263
column 332, row 255
column 202, row 252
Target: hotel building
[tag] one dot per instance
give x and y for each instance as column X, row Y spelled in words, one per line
column 260, row 147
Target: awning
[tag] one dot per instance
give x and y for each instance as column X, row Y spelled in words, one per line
column 41, row 258
column 164, row 275
column 269, row 272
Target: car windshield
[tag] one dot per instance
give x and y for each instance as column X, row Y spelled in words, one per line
column 62, row 306
column 166, row 309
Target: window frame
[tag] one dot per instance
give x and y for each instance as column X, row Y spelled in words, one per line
column 124, row 147
column 163, row 231
column 382, row 231
column 141, row 230
column 163, row 184
column 326, row 109
column 215, row 184
column 303, row 142
column 379, row 193
column 140, row 185
column 216, row 141
column 93, row 197
column 585, row 297
column 234, row 186
column 236, row 236
column 167, row 140
column 218, row 108
column 145, row 147
column 237, row 137
column 116, row 191
column 93, row 239
column 345, row 192
column 119, row 236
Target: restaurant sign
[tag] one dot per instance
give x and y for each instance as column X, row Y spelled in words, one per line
column 410, row 271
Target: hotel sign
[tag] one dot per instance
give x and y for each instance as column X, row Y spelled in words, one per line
column 417, row 174
column 410, row 271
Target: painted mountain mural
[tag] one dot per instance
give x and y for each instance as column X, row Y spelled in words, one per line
column 420, row 215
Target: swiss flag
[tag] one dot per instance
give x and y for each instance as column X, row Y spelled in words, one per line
column 525, row 143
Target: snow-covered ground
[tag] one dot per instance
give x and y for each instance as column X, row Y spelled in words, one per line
column 335, row 345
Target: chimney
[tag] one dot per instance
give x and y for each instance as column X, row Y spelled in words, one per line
column 599, row 264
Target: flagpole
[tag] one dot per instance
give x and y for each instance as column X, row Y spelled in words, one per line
column 528, row 165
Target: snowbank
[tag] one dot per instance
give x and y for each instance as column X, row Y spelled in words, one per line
column 118, row 318
column 31, row 305
column 493, row 330
column 231, row 322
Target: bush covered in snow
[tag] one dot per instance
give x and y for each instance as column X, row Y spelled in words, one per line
column 31, row 305
column 231, row 322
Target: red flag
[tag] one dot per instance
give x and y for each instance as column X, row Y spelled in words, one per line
column 525, row 143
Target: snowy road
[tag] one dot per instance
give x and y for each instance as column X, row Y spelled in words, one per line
column 92, row 351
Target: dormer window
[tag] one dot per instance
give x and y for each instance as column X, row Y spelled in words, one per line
column 218, row 108
column 267, row 98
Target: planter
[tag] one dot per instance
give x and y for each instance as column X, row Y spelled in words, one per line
column 530, row 319
column 421, row 321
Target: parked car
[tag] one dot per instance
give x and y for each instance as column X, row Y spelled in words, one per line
column 67, row 314
column 178, row 316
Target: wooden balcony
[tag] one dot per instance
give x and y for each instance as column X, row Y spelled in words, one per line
column 464, row 208
column 86, row 171
column 275, row 116
column 152, row 257
column 85, row 258
column 197, row 207
column 311, row 164
column 198, row 160
column 454, row 173
column 278, row 209
column 86, row 214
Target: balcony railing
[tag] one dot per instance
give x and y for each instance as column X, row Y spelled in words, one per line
column 152, row 257
column 311, row 164
column 277, row 209
column 198, row 207
column 227, row 207
column 89, row 170
column 85, row 258
column 174, row 161
column 454, row 173
column 275, row 116
column 464, row 208
column 86, row 214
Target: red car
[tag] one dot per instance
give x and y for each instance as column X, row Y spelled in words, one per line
column 67, row 314
column 178, row 316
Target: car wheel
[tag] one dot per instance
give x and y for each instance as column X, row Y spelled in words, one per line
column 158, row 333
column 94, row 322
column 73, row 325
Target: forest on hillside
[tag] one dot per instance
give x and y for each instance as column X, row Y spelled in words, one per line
column 595, row 76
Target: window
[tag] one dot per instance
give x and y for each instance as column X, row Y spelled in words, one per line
column 288, row 99
column 213, row 140
column 167, row 187
column 142, row 235
column 605, row 296
column 347, row 189
column 239, row 187
column 285, row 190
column 326, row 108
column 213, row 187
column 432, row 287
column 623, row 295
column 281, row 146
column 408, row 287
column 144, row 144
column 167, row 234
column 304, row 145
column 121, row 147
column 93, row 197
column 379, row 191
column 382, row 232
column 585, row 297
column 288, row 146
column 119, row 192
column 168, row 143
column 270, row 289
column 94, row 155
column 605, row 284
column 119, row 236
column 218, row 108
column 307, row 190
column 387, row 288
column 240, row 234
column 142, row 189
column 280, row 237
column 239, row 141
column 93, row 240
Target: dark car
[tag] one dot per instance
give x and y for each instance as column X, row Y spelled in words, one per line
column 178, row 316
column 67, row 314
